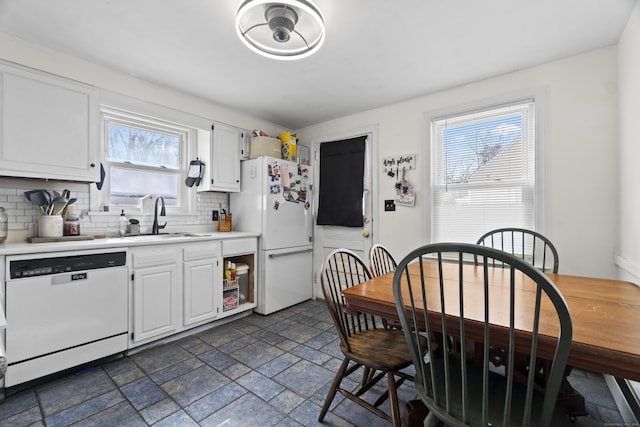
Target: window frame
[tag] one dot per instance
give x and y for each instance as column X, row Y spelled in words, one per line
column 188, row 144
column 538, row 97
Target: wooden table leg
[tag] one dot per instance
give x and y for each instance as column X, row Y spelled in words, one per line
column 570, row 399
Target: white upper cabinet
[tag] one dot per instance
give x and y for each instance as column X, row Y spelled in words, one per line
column 221, row 154
column 48, row 126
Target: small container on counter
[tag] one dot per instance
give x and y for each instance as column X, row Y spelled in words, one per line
column 72, row 225
column 224, row 221
column 134, row 226
column 122, row 224
column 50, row 226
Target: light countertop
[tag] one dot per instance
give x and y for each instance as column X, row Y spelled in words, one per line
column 116, row 241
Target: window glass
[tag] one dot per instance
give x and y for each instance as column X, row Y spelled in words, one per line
column 475, row 151
column 483, row 172
column 143, row 147
column 144, row 156
column 128, row 186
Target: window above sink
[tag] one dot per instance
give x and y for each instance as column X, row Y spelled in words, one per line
column 143, row 156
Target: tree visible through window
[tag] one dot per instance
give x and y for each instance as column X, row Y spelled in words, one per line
column 143, row 147
column 469, row 148
column 483, row 172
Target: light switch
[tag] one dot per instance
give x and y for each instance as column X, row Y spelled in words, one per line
column 389, row 205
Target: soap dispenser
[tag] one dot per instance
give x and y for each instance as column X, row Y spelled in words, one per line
column 122, row 224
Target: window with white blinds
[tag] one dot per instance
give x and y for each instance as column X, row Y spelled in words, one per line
column 482, row 172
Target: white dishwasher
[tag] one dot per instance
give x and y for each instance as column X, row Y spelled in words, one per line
column 63, row 309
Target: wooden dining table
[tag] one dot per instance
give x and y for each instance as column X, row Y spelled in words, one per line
column 605, row 314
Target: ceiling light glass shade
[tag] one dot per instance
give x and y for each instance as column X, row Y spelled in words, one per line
column 289, row 29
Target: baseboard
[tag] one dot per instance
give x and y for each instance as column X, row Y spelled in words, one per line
column 629, row 266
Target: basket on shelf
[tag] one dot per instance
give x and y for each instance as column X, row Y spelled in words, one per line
column 230, row 299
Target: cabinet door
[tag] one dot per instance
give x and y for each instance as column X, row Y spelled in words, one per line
column 155, row 302
column 200, row 290
column 48, row 126
column 225, row 169
column 222, row 154
column 245, row 143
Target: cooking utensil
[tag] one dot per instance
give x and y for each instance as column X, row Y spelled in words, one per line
column 69, row 202
column 38, row 198
column 52, row 205
column 29, row 193
column 47, row 197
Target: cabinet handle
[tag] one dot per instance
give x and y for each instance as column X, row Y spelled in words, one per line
column 93, row 165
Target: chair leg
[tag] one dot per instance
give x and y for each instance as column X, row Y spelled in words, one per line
column 393, row 400
column 431, row 420
column 367, row 374
column 334, row 388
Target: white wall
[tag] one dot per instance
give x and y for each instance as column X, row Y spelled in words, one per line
column 580, row 156
column 629, row 141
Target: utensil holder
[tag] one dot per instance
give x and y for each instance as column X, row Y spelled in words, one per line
column 225, row 225
column 50, row 226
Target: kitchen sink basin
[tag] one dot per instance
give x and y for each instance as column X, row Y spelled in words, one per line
column 162, row 236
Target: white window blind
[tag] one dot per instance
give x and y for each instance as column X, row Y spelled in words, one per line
column 483, row 172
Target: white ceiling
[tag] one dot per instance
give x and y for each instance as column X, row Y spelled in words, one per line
column 376, row 52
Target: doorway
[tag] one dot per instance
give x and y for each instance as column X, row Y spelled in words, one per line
column 356, row 238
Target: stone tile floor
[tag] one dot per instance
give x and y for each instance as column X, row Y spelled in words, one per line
column 254, row 371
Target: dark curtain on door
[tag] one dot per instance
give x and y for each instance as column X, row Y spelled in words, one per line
column 341, row 182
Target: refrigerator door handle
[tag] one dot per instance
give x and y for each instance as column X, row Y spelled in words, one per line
column 303, row 251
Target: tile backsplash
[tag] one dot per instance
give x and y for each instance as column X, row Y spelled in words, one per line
column 23, row 216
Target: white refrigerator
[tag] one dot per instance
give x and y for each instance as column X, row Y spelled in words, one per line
column 275, row 201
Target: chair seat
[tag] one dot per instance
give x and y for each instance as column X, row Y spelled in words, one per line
column 379, row 349
column 496, row 391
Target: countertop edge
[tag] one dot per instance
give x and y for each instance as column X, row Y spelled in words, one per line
column 113, row 242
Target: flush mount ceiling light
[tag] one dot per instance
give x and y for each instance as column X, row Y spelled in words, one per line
column 290, row 29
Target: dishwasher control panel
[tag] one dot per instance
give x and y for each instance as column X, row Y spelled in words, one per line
column 19, row 269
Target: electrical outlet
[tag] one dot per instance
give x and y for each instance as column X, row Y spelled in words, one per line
column 214, row 217
column 389, row 205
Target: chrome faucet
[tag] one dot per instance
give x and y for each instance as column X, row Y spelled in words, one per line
column 163, row 212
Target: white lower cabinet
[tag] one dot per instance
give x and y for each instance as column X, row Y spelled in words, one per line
column 156, row 293
column 202, row 272
column 174, row 288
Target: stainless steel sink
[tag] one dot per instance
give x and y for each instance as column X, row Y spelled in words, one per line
column 163, row 236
